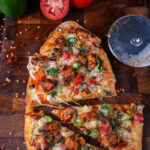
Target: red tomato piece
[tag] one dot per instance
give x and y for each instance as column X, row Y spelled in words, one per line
column 76, row 91
column 81, row 3
column 68, row 118
column 39, row 75
column 78, row 80
column 90, row 49
column 54, row 9
column 91, row 82
column 104, row 128
column 43, row 99
column 65, row 55
column 138, row 118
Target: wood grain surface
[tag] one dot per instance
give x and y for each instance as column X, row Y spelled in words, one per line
column 22, row 37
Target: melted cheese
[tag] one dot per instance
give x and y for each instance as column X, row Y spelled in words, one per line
column 84, row 109
column 91, row 124
column 66, row 132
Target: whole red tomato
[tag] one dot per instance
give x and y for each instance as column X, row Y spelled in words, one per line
column 81, row 3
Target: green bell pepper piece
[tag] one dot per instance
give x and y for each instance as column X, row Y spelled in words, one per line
column 76, row 65
column 13, row 8
column 52, row 71
column 48, row 118
column 105, row 109
column 76, row 123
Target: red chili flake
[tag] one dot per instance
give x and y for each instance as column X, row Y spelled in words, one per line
column 2, row 34
column 11, row 59
column 3, row 146
column 134, row 75
column 140, row 98
column 118, row 89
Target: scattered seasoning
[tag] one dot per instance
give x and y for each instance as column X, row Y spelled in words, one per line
column 26, row 30
column 18, row 148
column 10, row 133
column 37, row 38
column 10, row 141
column 7, row 80
column 3, row 146
column 77, row 20
column 16, row 94
column 119, row 89
column 38, row 27
column 85, row 21
column 23, row 81
column 17, row 81
column 19, row 21
column 134, row 75
column 23, row 93
column 140, row 98
column 11, row 59
column 20, row 32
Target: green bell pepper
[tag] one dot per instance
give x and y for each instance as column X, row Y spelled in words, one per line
column 105, row 109
column 75, row 122
column 48, row 118
column 13, row 8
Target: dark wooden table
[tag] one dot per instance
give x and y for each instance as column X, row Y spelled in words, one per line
column 24, row 36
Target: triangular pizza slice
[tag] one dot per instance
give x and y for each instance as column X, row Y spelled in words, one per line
column 71, row 66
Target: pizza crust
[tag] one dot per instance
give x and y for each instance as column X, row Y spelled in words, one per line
column 28, row 130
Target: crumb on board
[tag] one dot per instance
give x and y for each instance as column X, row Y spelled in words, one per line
column 17, row 81
column 18, row 148
column 38, row 27
column 134, row 75
column 10, row 141
column 23, row 93
column 10, row 133
column 85, row 21
column 16, row 94
column 7, row 80
column 23, row 81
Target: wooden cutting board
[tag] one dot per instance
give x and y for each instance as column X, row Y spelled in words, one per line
column 23, row 37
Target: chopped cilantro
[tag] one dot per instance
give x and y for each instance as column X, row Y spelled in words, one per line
column 53, row 93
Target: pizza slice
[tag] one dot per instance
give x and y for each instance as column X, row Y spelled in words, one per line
column 44, row 133
column 71, row 66
column 113, row 126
